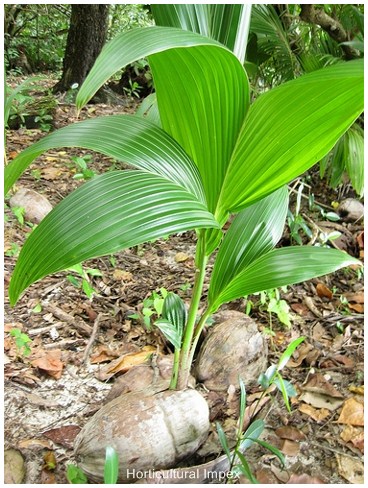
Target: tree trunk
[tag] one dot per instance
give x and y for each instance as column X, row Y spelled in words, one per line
column 330, row 25
column 86, row 37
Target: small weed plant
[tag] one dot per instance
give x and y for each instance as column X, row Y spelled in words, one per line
column 152, row 308
column 133, row 89
column 81, row 163
column 83, row 281
column 237, row 458
column 76, row 476
column 22, row 342
column 271, row 301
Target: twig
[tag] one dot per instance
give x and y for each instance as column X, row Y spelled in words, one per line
column 92, row 338
column 315, row 201
column 337, row 451
column 315, row 226
column 64, row 344
column 77, row 322
column 44, row 330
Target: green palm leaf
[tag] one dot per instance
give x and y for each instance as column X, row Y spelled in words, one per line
column 273, row 41
column 281, row 267
column 202, row 93
column 355, row 158
column 131, row 46
column 113, row 211
column 226, row 23
column 255, row 231
column 290, row 128
column 125, row 138
column 191, row 17
column 348, row 154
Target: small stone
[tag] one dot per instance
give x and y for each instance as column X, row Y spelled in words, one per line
column 351, row 210
column 180, row 257
column 14, row 470
column 121, row 275
column 36, row 206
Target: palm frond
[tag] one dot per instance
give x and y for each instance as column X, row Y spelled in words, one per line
column 273, row 41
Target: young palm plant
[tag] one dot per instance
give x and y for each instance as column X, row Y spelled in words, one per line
column 213, row 155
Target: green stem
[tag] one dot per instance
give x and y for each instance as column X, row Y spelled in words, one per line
column 185, row 363
column 197, row 334
column 175, row 371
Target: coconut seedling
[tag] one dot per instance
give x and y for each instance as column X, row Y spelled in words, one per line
column 209, row 154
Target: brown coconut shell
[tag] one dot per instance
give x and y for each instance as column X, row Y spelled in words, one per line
column 148, row 431
column 233, row 348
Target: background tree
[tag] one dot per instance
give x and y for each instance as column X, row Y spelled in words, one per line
column 35, row 37
column 287, row 41
column 86, row 37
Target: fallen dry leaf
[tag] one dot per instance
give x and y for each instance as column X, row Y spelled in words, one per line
column 360, row 240
column 350, row 469
column 64, row 436
column 321, row 334
column 49, row 460
column 281, row 474
column 265, row 477
column 357, row 307
column 355, row 435
column 357, row 389
column 34, row 444
column 357, row 297
column 102, row 354
column 12, row 154
column 291, row 433
column 50, row 362
column 13, row 325
column 121, row 275
column 318, row 415
column 352, row 412
column 317, row 383
column 329, row 363
column 252, row 410
column 47, row 477
column 290, row 448
column 300, row 309
column 51, row 173
column 125, row 362
column 312, row 306
column 323, row 291
column 318, row 400
column 304, row 479
column 305, row 352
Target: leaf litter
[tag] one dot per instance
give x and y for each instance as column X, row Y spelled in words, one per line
column 50, row 395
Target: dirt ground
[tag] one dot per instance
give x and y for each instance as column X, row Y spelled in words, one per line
column 50, row 394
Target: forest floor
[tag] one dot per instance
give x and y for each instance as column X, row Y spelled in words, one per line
column 51, row 393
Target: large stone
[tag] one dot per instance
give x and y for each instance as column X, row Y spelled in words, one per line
column 351, row 210
column 36, row 206
column 233, row 348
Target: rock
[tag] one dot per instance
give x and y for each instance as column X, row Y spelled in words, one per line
column 14, row 469
column 351, row 210
column 233, row 348
column 181, row 257
column 36, row 206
